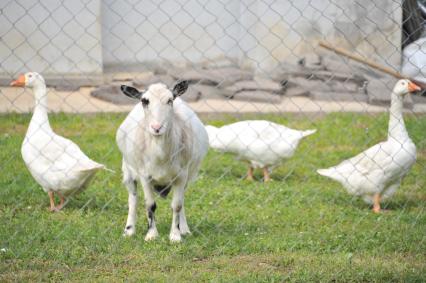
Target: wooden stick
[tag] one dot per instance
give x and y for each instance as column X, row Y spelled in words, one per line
column 368, row 62
column 360, row 59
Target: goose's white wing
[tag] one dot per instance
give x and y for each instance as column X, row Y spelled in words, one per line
column 56, row 162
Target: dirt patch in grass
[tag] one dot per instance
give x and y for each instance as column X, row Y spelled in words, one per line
column 241, row 264
column 288, row 266
column 17, row 129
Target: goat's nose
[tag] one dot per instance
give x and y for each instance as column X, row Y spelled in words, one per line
column 156, row 127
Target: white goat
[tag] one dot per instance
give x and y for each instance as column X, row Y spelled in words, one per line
column 163, row 143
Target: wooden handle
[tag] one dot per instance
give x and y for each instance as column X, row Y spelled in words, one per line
column 368, row 62
column 360, row 59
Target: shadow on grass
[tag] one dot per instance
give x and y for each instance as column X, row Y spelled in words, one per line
column 393, row 205
column 401, row 204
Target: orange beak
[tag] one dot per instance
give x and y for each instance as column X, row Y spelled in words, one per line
column 412, row 87
column 19, row 82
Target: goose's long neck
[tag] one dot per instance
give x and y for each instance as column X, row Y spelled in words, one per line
column 396, row 129
column 40, row 119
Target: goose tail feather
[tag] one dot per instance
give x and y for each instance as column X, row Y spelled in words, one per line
column 95, row 167
column 329, row 172
column 308, row 132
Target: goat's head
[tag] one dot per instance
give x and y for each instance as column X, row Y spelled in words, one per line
column 157, row 102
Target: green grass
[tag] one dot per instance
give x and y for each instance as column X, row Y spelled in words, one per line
column 300, row 227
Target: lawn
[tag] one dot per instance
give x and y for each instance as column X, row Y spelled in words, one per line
column 300, row 227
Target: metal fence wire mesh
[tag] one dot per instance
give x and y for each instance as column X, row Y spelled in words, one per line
column 286, row 88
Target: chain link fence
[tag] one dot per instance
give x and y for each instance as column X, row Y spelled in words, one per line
column 323, row 65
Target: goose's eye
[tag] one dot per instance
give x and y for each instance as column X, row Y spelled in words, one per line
column 170, row 101
column 145, row 101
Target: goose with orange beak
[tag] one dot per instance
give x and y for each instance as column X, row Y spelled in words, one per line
column 376, row 173
column 56, row 163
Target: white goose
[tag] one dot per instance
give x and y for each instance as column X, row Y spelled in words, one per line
column 262, row 143
column 56, row 163
column 376, row 173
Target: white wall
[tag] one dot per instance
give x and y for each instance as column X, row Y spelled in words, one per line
column 74, row 37
column 137, row 31
column 50, row 37
column 258, row 33
column 286, row 30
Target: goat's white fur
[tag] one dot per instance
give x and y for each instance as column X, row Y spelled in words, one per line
column 171, row 158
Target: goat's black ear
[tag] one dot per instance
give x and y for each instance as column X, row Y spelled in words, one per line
column 131, row 91
column 180, row 88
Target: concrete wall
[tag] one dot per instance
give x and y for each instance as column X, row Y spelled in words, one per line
column 178, row 31
column 277, row 31
column 50, row 37
column 81, row 38
column 259, row 34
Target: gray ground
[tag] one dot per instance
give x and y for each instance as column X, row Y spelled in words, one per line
column 314, row 84
column 22, row 101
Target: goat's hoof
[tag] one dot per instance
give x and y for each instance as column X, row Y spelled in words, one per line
column 151, row 235
column 129, row 231
column 185, row 231
column 175, row 237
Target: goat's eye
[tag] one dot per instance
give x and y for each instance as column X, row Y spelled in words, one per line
column 170, row 101
column 145, row 101
column 30, row 75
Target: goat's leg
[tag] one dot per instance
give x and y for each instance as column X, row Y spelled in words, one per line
column 183, row 225
column 131, row 186
column 150, row 207
column 177, row 204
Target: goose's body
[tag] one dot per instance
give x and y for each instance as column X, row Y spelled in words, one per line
column 378, row 169
column 262, row 143
column 56, row 163
column 375, row 174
